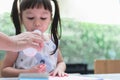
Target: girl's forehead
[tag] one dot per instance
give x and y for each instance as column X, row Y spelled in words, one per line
column 36, row 11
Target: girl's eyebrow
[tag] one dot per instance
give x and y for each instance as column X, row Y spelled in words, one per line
column 29, row 12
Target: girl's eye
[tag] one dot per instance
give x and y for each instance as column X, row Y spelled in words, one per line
column 43, row 18
column 30, row 18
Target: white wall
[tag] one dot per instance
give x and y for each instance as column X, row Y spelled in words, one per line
column 100, row 11
column 5, row 6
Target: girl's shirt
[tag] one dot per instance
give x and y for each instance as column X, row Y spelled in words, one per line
column 41, row 57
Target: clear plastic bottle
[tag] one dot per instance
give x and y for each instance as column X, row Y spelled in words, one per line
column 31, row 51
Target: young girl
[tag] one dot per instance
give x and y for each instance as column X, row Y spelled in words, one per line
column 36, row 14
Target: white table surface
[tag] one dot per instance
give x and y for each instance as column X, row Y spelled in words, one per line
column 115, row 76
column 104, row 76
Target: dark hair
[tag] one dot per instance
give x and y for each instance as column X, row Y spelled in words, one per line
column 26, row 4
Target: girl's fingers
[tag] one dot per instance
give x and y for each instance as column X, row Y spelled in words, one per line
column 42, row 68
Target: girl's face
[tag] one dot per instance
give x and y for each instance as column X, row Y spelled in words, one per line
column 36, row 18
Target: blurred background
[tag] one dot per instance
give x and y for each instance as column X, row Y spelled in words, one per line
column 90, row 30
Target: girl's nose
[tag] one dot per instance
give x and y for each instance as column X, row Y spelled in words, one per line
column 37, row 23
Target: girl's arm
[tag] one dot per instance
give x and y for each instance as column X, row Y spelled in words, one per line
column 8, row 70
column 60, row 63
column 61, row 67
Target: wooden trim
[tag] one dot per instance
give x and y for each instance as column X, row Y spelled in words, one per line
column 106, row 66
column 0, row 67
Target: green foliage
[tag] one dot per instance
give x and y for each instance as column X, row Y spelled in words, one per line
column 2, row 54
column 6, row 25
column 83, row 42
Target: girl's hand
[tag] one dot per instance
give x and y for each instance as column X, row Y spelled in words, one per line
column 38, row 69
column 42, row 68
column 58, row 72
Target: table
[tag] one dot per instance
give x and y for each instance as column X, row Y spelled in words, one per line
column 104, row 76
column 8, row 78
column 113, row 76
